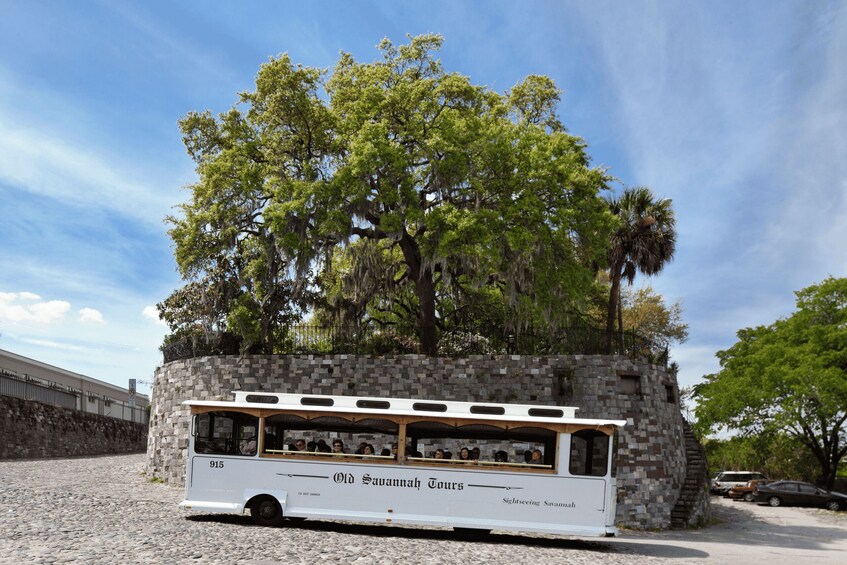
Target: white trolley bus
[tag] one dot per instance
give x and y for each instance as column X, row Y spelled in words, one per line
column 470, row 466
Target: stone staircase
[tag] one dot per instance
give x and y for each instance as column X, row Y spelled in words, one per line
column 692, row 508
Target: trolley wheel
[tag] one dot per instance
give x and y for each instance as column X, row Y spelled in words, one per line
column 266, row 511
column 774, row 501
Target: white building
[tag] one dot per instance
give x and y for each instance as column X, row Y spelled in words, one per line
column 26, row 378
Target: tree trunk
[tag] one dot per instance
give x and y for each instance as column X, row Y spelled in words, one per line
column 614, row 293
column 425, row 291
column 620, row 318
column 827, row 459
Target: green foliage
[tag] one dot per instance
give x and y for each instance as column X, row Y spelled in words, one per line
column 790, row 376
column 389, row 343
column 644, row 313
column 401, row 193
column 778, row 456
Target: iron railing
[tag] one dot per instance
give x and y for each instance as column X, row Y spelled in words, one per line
column 29, row 390
column 58, row 395
column 353, row 340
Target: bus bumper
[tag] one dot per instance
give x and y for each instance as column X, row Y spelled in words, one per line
column 206, row 506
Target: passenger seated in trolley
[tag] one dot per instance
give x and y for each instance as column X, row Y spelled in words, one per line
column 439, row 454
column 248, row 446
column 501, row 457
column 536, row 458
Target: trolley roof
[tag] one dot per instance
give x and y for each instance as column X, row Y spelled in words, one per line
column 404, row 407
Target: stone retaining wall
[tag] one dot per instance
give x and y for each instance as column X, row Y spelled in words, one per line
column 651, row 449
column 31, row 430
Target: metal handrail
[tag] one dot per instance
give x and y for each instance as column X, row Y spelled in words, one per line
column 307, row 339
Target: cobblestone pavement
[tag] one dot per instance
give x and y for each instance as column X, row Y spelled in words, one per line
column 103, row 510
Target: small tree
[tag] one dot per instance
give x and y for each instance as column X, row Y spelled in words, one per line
column 789, row 377
column 643, row 312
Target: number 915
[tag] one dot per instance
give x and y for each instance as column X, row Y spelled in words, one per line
column 216, row 464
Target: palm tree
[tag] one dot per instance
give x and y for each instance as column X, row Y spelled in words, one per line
column 645, row 241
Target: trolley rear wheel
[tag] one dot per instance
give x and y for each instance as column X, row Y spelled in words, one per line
column 266, row 511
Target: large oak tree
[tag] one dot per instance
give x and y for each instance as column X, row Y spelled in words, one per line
column 397, row 183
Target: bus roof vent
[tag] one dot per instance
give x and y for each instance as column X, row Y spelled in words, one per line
column 316, row 401
column 429, row 407
column 262, row 398
column 494, row 410
column 381, row 404
column 546, row 412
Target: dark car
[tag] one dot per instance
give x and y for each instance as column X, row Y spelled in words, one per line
column 795, row 493
column 745, row 492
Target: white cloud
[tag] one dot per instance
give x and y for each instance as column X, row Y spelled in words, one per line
column 91, row 315
column 46, row 164
column 52, row 344
column 152, row 313
column 18, row 307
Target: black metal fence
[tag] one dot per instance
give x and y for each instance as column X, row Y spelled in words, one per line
column 352, row 340
column 29, row 390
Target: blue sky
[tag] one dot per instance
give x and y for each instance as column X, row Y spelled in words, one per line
column 736, row 111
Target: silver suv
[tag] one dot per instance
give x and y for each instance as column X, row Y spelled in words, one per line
column 725, row 480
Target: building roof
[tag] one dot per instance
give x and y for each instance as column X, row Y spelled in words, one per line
column 24, row 366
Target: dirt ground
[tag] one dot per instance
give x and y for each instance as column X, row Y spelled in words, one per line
column 746, row 533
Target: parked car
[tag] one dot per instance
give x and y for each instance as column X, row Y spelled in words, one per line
column 745, row 492
column 728, row 479
column 796, row 493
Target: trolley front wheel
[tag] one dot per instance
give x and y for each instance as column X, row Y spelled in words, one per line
column 266, row 511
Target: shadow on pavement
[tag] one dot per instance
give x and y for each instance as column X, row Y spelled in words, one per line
column 387, row 531
column 737, row 523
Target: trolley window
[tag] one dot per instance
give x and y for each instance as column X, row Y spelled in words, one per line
column 491, row 446
column 589, row 453
column 337, row 435
column 224, row 432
